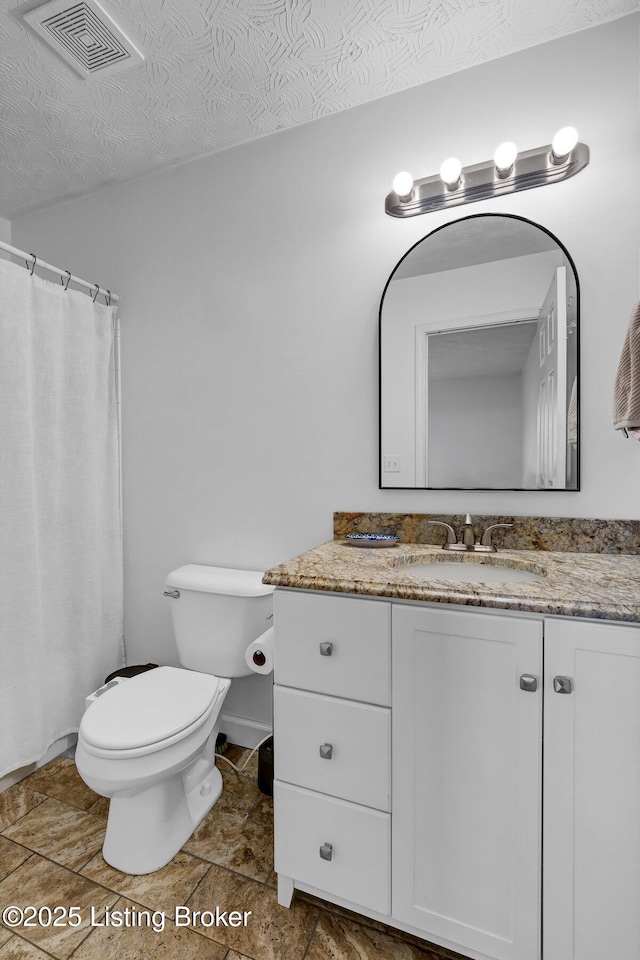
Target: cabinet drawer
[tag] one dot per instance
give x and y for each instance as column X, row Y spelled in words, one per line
column 355, row 761
column 356, row 635
column 359, row 839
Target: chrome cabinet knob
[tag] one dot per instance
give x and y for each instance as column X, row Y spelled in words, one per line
column 528, row 683
column 563, row 684
column 326, row 649
column 326, row 851
column 326, row 751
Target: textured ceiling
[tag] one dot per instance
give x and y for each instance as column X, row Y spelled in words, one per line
column 221, row 72
column 487, row 352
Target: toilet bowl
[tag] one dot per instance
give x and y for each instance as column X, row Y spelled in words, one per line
column 148, row 743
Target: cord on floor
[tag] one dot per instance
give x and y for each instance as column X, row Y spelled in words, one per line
column 246, row 762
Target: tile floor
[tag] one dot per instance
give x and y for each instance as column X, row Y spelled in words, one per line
column 51, row 831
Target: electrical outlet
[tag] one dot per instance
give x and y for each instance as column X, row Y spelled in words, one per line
column 392, row 463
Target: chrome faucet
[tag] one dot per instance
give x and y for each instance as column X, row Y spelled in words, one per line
column 468, row 541
column 468, row 533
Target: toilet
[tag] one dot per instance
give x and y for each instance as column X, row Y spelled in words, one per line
column 148, row 742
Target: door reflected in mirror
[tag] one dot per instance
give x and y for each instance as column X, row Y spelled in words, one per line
column 479, row 361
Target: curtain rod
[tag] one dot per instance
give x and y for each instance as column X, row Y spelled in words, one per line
column 31, row 262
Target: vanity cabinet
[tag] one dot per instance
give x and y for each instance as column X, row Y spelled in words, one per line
column 332, row 727
column 467, row 756
column 434, row 823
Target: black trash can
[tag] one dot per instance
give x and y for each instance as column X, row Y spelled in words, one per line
column 265, row 767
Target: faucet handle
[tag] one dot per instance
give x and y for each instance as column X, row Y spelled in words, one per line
column 486, row 536
column 451, row 534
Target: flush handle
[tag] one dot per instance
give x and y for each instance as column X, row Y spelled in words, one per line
column 326, row 751
column 326, row 649
column 528, row 683
column 326, row 851
column 563, row 684
column 171, row 593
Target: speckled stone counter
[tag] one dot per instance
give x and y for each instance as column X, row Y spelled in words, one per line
column 571, row 584
column 566, row 534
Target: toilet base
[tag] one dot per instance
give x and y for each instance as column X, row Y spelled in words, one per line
column 147, row 827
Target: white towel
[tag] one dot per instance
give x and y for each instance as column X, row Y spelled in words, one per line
column 626, row 403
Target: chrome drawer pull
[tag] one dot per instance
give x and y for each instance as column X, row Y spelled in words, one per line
column 563, row 684
column 528, row 683
column 326, row 851
column 326, row 751
column 326, row 649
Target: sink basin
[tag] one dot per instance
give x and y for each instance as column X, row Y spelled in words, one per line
column 469, row 572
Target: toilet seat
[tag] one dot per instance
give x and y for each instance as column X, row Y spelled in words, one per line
column 150, row 711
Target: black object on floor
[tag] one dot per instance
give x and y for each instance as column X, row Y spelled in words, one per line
column 131, row 671
column 222, row 744
column 265, row 767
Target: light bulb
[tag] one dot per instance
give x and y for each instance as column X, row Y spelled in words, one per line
column 403, row 185
column 450, row 172
column 504, row 158
column 563, row 143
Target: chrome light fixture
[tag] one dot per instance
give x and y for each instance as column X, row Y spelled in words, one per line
column 508, row 172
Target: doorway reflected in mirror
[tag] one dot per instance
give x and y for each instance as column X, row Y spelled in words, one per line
column 479, row 360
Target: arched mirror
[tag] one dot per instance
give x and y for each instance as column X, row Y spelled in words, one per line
column 479, row 360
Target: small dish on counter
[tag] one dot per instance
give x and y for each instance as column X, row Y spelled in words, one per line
column 371, row 540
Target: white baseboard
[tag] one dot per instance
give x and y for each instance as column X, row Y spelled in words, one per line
column 246, row 733
column 64, row 743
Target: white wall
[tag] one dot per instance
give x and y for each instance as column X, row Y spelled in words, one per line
column 250, row 285
column 5, row 230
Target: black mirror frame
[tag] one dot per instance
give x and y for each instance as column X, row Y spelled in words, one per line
column 475, row 216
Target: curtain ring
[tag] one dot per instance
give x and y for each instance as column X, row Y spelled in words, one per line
column 33, row 265
column 66, row 285
column 107, row 299
column 97, row 286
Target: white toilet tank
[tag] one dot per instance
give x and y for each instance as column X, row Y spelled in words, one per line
column 217, row 614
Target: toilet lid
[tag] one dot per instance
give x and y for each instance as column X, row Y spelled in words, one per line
column 149, row 708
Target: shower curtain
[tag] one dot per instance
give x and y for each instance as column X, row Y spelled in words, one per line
column 60, row 529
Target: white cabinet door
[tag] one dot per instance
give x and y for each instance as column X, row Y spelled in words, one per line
column 552, row 384
column 591, row 896
column 466, row 793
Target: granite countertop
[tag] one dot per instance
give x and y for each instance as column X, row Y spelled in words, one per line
column 572, row 584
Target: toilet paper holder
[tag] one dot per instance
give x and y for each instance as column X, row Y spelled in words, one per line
column 259, row 653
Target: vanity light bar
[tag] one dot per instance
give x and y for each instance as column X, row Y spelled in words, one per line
column 493, row 178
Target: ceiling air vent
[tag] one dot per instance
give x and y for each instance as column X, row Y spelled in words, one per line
column 85, row 35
